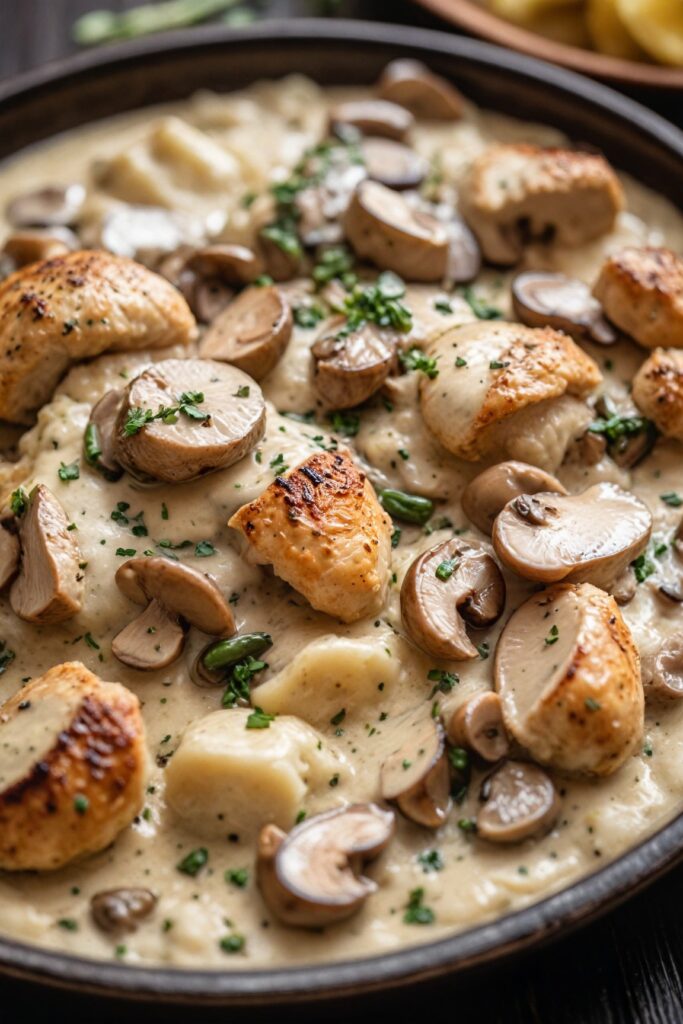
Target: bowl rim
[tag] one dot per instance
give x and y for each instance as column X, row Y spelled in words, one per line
column 500, row 938
column 482, row 22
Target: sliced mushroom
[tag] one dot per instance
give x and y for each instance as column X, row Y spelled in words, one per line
column 589, row 537
column 252, row 333
column 383, row 228
column 174, row 595
column 568, row 674
column 54, row 206
column 393, row 164
column 519, row 801
column 283, row 257
column 447, row 588
column 234, row 264
column 73, row 766
column 416, row 775
column 29, row 246
column 204, row 434
column 121, row 910
column 478, row 725
column 311, row 877
column 488, row 493
column 464, row 254
column 371, row 117
column 49, row 587
column 426, row 95
column 542, row 299
column 349, row 368
column 9, row 552
column 666, row 681
column 100, row 434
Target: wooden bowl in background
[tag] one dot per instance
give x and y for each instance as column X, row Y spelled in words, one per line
column 480, row 22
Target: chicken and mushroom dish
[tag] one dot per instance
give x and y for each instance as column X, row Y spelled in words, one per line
column 341, row 524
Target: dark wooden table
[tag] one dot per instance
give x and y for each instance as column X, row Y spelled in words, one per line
column 625, row 967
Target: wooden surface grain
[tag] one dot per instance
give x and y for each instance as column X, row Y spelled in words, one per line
column 624, row 967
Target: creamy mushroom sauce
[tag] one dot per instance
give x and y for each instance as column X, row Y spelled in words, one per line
column 245, row 140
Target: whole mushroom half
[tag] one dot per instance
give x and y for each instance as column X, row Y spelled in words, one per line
column 519, row 801
column 543, row 299
column 182, row 418
column 416, row 775
column 590, row 537
column 174, row 595
column 568, row 674
column 49, row 587
column 383, row 228
column 312, row 877
column 448, row 588
column 426, row 95
column 488, row 493
column 73, row 764
column 477, row 724
column 350, row 367
column 252, row 332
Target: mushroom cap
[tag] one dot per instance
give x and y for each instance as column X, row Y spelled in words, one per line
column 426, row 95
column 416, row 774
column 312, row 876
column 63, row 736
column 121, row 910
column 180, row 589
column 520, row 801
column 477, row 725
column 79, row 306
column 103, row 418
column 53, row 206
column 348, row 369
column 372, row 117
column 252, row 332
column 568, row 674
column 469, row 589
column 49, row 587
column 151, row 641
column 384, row 229
column 544, row 299
column 9, row 555
column 490, row 371
column 641, row 291
column 666, row 681
column 488, row 493
column 589, row 537
column 34, row 244
column 188, row 448
column 658, row 391
column 234, row 264
column 392, row 164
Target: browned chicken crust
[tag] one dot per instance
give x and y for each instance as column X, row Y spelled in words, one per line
column 75, row 307
column 658, row 391
column 641, row 291
column 76, row 797
column 324, row 532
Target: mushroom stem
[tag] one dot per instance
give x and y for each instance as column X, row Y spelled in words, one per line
column 151, row 641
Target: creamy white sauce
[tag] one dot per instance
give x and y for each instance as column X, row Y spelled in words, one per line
column 252, row 137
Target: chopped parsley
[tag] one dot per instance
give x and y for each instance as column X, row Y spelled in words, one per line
column 496, row 364
column 481, row 309
column 377, row 303
column 445, row 569
column 193, row 863
column 308, row 316
column 460, row 361
column 258, row 719
column 204, row 549
column 6, row 656
column 233, row 943
column 445, row 680
column 592, row 704
column 278, row 464
column 443, row 306
column 347, row 423
column 672, row 499
column 18, row 501
column 430, row 860
column 240, row 677
column 552, row 637
column 396, row 536
column 81, row 803
column 483, row 649
column 70, row 472
column 237, row 876
column 643, row 567
column 336, row 262
column 339, row 717
column 243, row 391
column 415, row 359
column 416, row 912
column 188, row 405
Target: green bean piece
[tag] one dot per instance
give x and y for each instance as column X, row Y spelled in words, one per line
column 227, row 652
column 92, row 446
column 410, row 508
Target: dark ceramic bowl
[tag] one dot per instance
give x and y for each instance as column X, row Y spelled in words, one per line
column 94, row 85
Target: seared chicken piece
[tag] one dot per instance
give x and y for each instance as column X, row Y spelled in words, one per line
column 323, row 531
column 500, row 382
column 521, row 193
column 641, row 291
column 75, row 307
column 72, row 768
column 658, row 391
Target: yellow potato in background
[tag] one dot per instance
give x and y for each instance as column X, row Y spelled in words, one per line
column 523, row 11
column 608, row 33
column 657, row 25
column 564, row 25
